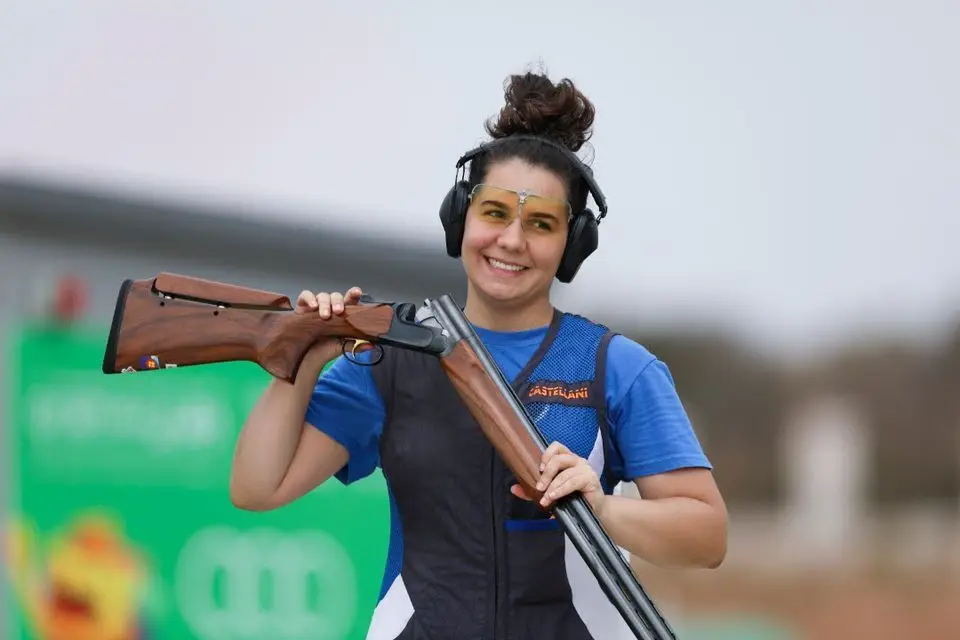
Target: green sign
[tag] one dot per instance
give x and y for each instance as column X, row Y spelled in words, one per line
column 120, row 526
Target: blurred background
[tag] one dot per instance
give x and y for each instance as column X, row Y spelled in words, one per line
column 784, row 200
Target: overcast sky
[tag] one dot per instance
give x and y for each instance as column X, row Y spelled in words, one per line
column 787, row 169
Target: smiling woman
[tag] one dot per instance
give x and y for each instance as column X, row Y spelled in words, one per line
column 529, row 173
column 509, row 262
column 470, row 555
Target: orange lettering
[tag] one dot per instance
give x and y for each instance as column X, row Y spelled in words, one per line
column 559, row 391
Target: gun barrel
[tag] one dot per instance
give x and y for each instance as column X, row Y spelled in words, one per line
column 595, row 546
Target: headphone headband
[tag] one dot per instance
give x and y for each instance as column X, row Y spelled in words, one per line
column 585, row 172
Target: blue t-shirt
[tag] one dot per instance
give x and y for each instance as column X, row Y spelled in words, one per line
column 644, row 412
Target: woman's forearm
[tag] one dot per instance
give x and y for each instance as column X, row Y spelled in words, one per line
column 270, row 436
column 667, row 532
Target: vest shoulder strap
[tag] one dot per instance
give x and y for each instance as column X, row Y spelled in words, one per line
column 572, row 368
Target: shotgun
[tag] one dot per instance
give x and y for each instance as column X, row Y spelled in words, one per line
column 177, row 321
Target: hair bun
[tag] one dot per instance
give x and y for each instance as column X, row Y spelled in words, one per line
column 537, row 106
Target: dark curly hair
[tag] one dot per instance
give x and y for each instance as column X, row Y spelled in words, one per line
column 534, row 105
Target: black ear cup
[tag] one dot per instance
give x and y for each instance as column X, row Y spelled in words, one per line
column 582, row 240
column 453, row 213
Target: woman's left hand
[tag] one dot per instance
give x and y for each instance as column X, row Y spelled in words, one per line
column 563, row 472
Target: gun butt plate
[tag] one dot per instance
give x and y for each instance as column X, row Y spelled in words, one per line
column 110, row 353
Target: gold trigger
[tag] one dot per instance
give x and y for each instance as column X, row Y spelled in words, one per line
column 352, row 354
column 357, row 343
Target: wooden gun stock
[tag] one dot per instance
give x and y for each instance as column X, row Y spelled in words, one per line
column 501, row 426
column 178, row 321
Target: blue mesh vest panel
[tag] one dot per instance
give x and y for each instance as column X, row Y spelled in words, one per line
column 565, row 393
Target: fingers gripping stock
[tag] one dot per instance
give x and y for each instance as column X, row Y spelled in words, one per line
column 174, row 320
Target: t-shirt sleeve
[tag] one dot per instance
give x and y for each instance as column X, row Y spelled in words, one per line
column 646, row 416
column 346, row 405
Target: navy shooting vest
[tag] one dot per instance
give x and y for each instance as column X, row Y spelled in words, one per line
column 467, row 560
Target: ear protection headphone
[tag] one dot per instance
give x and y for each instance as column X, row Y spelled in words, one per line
column 582, row 237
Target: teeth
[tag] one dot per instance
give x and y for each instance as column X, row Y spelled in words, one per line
column 504, row 265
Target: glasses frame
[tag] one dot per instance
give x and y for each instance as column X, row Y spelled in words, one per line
column 523, row 197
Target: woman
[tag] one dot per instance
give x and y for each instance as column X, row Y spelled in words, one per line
column 470, row 555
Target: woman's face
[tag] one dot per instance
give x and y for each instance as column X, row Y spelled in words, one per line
column 515, row 233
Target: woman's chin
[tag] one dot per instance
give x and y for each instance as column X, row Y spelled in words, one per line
column 504, row 292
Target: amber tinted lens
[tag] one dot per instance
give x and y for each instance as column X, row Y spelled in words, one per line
column 495, row 205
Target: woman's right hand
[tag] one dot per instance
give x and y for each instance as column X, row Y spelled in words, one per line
column 326, row 305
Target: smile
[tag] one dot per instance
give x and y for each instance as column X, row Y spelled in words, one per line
column 505, row 266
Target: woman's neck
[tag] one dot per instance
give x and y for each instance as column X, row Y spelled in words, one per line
column 497, row 317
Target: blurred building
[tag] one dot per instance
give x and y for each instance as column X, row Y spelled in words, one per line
column 47, row 231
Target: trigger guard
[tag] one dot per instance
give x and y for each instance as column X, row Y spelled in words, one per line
column 352, row 354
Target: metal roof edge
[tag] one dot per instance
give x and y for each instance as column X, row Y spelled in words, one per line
column 100, row 217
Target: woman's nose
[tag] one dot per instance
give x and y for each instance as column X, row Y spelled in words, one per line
column 512, row 236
